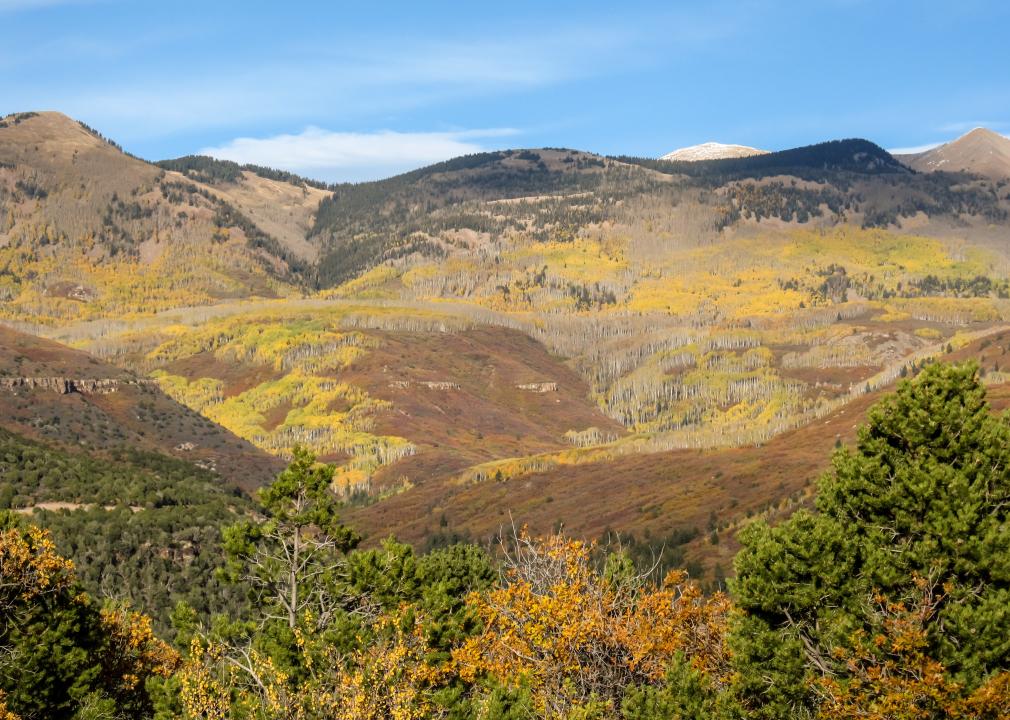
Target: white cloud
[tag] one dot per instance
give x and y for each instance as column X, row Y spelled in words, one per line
column 968, row 125
column 353, row 156
column 914, row 149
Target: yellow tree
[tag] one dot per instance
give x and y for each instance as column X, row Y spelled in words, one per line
column 70, row 655
column 386, row 678
column 30, row 567
column 578, row 637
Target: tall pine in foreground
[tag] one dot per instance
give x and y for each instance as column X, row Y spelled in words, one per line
column 912, row 526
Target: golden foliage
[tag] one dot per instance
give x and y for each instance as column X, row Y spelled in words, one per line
column 387, row 678
column 576, row 635
column 205, row 691
column 67, row 285
column 889, row 675
column 390, row 678
column 315, row 410
column 133, row 651
column 5, row 713
column 30, row 566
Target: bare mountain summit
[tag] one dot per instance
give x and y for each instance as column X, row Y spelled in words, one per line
column 712, row 151
column 980, row 151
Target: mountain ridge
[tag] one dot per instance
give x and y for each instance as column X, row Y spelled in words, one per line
column 91, row 227
column 980, row 151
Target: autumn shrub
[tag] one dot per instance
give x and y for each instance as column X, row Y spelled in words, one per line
column 579, row 637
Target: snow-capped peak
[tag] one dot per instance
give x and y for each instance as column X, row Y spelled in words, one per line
column 712, row 151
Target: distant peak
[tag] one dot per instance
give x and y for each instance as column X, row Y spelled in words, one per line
column 980, row 151
column 981, row 132
column 712, row 151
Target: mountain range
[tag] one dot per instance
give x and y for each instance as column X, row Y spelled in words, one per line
column 604, row 342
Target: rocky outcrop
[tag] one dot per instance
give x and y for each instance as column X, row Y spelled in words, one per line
column 431, row 385
column 65, row 385
column 541, row 387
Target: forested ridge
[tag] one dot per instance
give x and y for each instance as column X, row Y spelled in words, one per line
column 886, row 599
column 214, row 171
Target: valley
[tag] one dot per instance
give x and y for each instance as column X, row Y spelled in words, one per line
column 561, row 337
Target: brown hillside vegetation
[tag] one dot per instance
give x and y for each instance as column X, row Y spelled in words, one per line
column 652, row 494
column 980, row 151
column 678, row 489
column 60, row 395
column 466, row 398
column 457, row 398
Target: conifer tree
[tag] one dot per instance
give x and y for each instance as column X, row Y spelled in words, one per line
column 288, row 557
column 923, row 500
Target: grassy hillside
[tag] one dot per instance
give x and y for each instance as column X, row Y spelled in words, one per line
column 87, row 231
column 280, row 204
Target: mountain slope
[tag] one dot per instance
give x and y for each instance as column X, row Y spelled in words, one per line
column 60, row 395
column 650, row 495
column 366, row 223
column 712, row 151
column 281, row 204
column 981, row 151
column 87, row 230
column 423, row 395
column 471, row 201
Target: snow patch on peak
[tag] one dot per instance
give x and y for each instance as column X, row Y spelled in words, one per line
column 712, row 151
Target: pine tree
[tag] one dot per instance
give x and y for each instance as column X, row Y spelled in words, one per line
column 923, row 499
column 293, row 552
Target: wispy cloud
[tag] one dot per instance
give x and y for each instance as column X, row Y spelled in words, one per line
column 354, row 156
column 337, row 88
column 915, row 149
column 362, row 80
column 968, row 125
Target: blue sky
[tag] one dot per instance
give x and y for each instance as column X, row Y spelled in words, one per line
column 349, row 91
